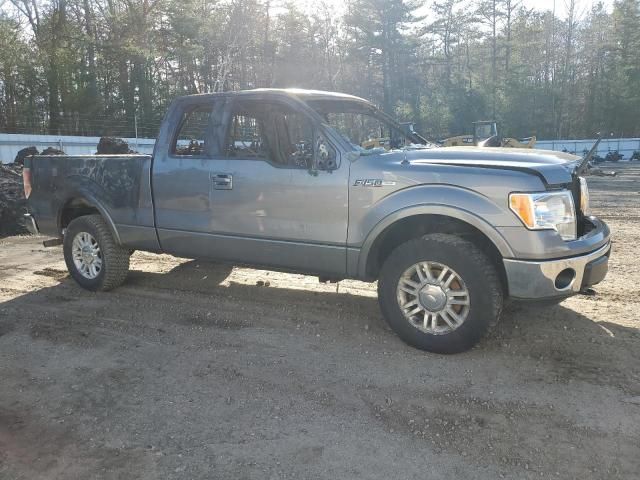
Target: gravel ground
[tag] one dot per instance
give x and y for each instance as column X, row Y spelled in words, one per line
column 196, row 370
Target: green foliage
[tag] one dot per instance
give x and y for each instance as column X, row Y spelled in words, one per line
column 112, row 66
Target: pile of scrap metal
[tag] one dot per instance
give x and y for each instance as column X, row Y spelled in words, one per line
column 587, row 167
column 113, row 146
column 598, row 172
column 13, row 205
column 485, row 134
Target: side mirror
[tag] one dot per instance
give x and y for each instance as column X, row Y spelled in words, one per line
column 324, row 157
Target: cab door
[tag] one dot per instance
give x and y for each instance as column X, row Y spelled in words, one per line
column 181, row 177
column 239, row 183
column 271, row 206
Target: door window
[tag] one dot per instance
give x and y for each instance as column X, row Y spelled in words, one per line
column 246, row 137
column 194, row 134
column 271, row 132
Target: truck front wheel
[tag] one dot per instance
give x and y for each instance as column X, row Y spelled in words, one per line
column 439, row 293
column 93, row 258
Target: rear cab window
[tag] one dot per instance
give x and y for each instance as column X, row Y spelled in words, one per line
column 195, row 135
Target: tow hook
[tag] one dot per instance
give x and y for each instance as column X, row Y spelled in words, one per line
column 588, row 291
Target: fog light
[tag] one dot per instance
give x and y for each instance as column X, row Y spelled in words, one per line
column 565, row 278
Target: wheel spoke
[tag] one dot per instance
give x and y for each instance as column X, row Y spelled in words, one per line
column 443, row 273
column 457, row 318
column 410, row 304
column 458, row 302
column 451, row 278
column 427, row 270
column 409, row 286
column 414, row 311
column 457, row 293
column 445, row 316
column 421, row 275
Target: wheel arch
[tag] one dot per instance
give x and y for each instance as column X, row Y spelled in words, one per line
column 415, row 222
column 82, row 203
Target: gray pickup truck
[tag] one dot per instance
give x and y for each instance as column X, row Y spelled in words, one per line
column 326, row 184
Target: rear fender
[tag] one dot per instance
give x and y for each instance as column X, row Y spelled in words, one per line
column 81, row 188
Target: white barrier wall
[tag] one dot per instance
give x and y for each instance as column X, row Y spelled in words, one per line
column 11, row 144
column 625, row 146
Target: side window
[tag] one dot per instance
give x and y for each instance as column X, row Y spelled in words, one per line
column 299, row 140
column 193, row 136
column 271, row 132
column 246, row 139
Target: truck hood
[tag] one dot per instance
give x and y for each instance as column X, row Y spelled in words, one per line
column 554, row 168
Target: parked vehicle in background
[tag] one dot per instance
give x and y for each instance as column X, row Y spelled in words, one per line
column 279, row 179
column 613, row 156
column 485, row 134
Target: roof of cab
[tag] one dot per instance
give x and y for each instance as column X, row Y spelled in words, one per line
column 299, row 93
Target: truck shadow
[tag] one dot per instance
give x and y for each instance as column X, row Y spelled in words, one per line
column 193, row 275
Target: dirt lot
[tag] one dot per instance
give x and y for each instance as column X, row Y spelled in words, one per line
column 192, row 370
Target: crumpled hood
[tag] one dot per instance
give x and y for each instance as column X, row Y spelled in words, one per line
column 554, row 167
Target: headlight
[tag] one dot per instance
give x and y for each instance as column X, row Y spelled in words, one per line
column 584, row 197
column 546, row 211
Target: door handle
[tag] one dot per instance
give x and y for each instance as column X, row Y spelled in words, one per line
column 222, row 181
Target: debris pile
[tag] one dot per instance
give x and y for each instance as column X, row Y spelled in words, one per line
column 113, row 146
column 13, row 205
column 52, row 151
column 24, row 153
column 598, row 172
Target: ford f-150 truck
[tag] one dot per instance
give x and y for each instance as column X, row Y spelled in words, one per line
column 280, row 179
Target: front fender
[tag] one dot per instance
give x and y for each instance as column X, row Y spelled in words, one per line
column 455, row 202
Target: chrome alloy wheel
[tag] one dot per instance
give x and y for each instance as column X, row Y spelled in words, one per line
column 433, row 298
column 87, row 256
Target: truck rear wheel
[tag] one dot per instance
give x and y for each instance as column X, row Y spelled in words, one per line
column 440, row 293
column 93, row 258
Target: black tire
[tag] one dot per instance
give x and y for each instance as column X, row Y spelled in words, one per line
column 476, row 271
column 115, row 259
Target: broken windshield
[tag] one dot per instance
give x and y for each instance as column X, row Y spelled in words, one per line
column 366, row 128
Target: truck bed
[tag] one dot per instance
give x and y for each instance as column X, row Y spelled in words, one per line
column 117, row 185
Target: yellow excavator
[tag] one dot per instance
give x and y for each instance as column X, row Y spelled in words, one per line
column 485, row 134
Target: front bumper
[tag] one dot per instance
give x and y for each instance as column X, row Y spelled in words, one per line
column 556, row 278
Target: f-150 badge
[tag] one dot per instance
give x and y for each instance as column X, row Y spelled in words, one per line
column 372, row 182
